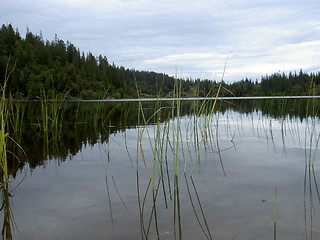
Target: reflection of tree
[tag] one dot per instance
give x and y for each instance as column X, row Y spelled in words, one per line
column 91, row 122
column 88, row 123
column 279, row 108
column 77, row 128
column 80, row 124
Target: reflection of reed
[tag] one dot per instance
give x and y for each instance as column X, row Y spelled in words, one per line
column 275, row 202
column 60, row 128
column 206, row 231
column 310, row 183
column 312, row 140
column 107, row 151
column 8, row 222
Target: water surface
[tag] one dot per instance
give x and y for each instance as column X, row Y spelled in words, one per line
column 90, row 179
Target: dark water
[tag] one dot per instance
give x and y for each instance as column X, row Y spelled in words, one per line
column 88, row 178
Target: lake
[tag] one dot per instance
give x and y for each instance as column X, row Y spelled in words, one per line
column 235, row 169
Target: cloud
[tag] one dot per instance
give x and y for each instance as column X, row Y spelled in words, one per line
column 283, row 58
column 193, row 35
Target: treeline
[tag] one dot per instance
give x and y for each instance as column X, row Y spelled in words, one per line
column 58, row 69
column 279, row 84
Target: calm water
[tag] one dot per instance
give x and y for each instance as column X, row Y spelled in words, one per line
column 90, row 178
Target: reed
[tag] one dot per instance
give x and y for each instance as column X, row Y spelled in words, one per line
column 168, row 153
column 4, row 181
column 17, row 117
column 139, row 152
column 208, row 123
column 311, row 129
column 4, row 116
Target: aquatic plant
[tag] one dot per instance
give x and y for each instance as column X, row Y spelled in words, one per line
column 4, row 178
column 167, row 141
column 3, row 124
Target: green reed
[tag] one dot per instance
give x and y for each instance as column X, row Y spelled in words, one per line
column 166, row 141
column 51, row 113
column 17, row 117
column 4, row 181
column 311, row 131
column 312, row 140
column 139, row 152
column 208, row 123
column 4, row 119
column 3, row 134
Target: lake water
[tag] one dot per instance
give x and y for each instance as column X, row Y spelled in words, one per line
column 247, row 170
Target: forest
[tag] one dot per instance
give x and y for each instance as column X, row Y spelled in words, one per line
column 58, row 69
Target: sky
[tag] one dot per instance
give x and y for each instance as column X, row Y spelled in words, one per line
column 206, row 39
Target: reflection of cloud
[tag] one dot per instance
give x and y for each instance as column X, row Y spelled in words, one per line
column 196, row 35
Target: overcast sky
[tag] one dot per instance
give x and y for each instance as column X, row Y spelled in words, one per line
column 183, row 37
